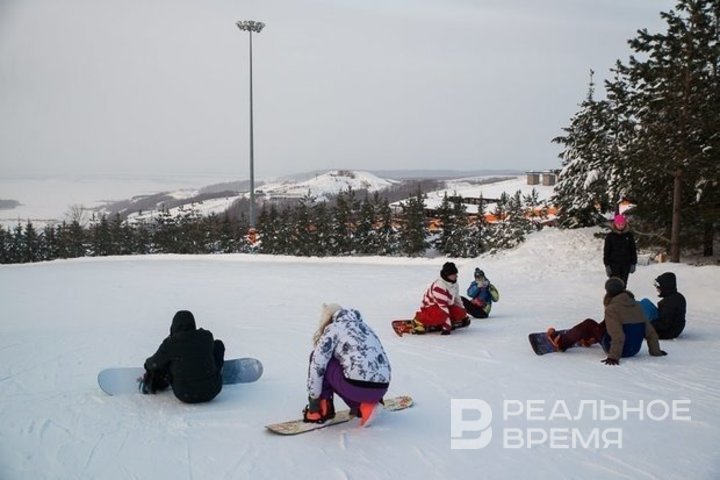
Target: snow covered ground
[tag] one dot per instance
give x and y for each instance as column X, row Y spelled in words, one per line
column 471, row 188
column 63, row 321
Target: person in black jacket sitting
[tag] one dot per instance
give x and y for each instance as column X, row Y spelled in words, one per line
column 189, row 360
column 671, row 309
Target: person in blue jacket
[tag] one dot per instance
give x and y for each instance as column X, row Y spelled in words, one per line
column 482, row 294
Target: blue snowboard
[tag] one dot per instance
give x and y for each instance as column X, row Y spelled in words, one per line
column 124, row 380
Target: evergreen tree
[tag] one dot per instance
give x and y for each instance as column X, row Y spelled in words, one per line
column 49, row 245
column 447, row 222
column 581, row 192
column 366, row 234
column 387, row 238
column 32, row 244
column 101, row 238
column 675, row 90
column 413, row 237
column 323, row 229
column 304, row 231
column 5, row 242
column 343, row 222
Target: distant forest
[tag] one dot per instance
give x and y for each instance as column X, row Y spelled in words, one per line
column 348, row 225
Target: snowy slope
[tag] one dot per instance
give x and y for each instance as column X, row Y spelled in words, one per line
column 63, row 321
column 325, row 184
column 472, row 188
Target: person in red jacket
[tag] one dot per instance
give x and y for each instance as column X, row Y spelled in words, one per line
column 442, row 305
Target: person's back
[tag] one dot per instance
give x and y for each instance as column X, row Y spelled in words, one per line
column 627, row 327
column 671, row 309
column 189, row 355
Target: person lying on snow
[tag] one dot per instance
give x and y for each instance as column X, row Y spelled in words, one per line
column 620, row 334
column 189, row 360
column 482, row 294
column 348, row 360
column 442, row 307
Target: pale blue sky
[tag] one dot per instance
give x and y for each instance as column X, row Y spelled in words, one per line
column 152, row 86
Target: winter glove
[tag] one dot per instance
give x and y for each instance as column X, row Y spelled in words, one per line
column 611, row 361
column 608, row 270
column 632, row 268
column 661, row 354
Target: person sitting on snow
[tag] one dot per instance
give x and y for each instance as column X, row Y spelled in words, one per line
column 347, row 359
column 668, row 318
column 189, row 360
column 441, row 305
column 620, row 334
column 482, row 294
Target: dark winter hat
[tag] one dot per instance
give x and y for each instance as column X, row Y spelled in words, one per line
column 614, row 286
column 448, row 269
column 666, row 283
column 479, row 273
column 183, row 321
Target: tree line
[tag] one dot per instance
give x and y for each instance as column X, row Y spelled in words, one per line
column 346, row 226
column 655, row 138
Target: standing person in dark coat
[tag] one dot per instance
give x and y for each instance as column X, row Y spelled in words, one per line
column 671, row 309
column 620, row 253
column 189, row 360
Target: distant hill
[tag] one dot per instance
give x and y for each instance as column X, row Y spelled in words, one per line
column 8, row 204
column 444, row 174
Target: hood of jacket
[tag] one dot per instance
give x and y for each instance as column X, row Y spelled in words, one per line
column 346, row 315
column 667, row 283
column 625, row 298
column 183, row 321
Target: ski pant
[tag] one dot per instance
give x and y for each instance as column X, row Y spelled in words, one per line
column 621, row 271
column 353, row 393
column 475, row 310
column 589, row 331
column 434, row 316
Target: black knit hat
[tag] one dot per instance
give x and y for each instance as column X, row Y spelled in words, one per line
column 448, row 269
column 614, row 286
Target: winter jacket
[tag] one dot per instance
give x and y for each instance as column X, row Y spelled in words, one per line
column 355, row 346
column 443, row 294
column 627, row 327
column 619, row 248
column 671, row 309
column 187, row 354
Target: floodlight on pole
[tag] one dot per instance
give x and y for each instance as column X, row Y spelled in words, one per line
column 251, row 26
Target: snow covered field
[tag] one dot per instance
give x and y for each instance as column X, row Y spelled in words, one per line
column 64, row 321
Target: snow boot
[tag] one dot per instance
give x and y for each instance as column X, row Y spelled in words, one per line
column 368, row 412
column 554, row 339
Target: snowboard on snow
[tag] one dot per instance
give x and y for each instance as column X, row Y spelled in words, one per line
column 541, row 344
column 124, row 380
column 295, row 427
column 402, row 327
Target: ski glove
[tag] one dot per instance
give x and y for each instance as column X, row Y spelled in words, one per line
column 611, row 361
column 661, row 354
column 608, row 270
column 632, row 268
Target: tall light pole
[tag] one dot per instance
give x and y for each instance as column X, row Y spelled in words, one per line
column 251, row 26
